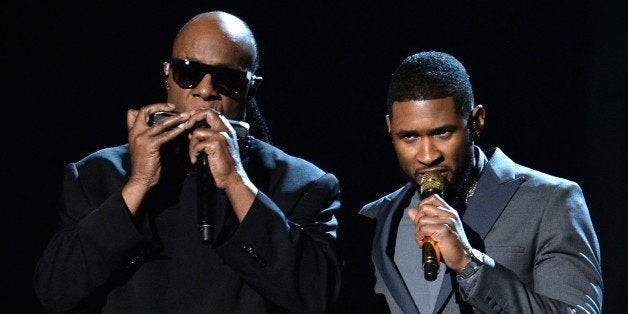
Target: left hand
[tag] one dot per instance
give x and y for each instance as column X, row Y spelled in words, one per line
column 434, row 218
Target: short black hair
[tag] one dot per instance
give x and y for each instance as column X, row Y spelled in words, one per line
column 431, row 75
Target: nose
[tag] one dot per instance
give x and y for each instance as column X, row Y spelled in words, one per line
column 205, row 89
column 428, row 152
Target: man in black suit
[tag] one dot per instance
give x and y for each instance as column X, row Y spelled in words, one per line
column 130, row 238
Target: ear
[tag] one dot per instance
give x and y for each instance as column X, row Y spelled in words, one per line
column 477, row 121
column 166, row 69
column 388, row 123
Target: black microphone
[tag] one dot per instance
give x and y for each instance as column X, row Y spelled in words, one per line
column 206, row 185
column 206, row 199
column 431, row 183
column 206, row 194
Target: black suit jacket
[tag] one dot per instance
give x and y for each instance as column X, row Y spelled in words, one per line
column 281, row 258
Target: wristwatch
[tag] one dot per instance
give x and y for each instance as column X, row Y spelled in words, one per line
column 476, row 261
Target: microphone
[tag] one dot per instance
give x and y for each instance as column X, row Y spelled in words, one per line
column 206, row 186
column 431, row 183
column 206, row 194
column 206, row 199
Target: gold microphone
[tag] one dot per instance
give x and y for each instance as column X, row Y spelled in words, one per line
column 431, row 183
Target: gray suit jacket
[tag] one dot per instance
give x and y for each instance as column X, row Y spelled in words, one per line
column 535, row 227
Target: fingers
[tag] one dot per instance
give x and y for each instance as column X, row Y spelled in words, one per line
column 442, row 227
column 437, row 222
column 430, row 211
column 219, row 136
column 213, row 117
column 134, row 115
column 204, row 115
column 433, row 219
column 170, row 124
column 412, row 214
column 131, row 116
column 434, row 206
column 216, row 120
column 206, row 141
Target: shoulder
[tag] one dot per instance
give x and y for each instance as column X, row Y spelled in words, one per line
column 372, row 208
column 274, row 158
column 282, row 166
column 506, row 169
column 111, row 159
column 536, row 178
column 542, row 182
column 97, row 175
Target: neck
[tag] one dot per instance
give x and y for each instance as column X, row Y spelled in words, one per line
column 467, row 186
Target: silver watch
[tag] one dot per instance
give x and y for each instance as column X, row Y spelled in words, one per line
column 476, row 261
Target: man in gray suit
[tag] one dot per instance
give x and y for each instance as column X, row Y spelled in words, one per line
column 508, row 238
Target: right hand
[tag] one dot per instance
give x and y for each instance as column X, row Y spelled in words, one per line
column 144, row 147
column 436, row 219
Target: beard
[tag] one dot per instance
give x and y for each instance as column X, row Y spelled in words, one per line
column 462, row 179
column 460, row 185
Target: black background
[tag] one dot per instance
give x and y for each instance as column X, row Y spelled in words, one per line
column 552, row 76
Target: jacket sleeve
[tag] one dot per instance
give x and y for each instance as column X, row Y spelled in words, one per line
column 290, row 257
column 91, row 244
column 566, row 268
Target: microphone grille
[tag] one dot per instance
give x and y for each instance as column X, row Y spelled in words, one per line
column 432, row 182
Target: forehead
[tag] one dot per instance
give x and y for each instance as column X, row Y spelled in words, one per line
column 425, row 112
column 212, row 42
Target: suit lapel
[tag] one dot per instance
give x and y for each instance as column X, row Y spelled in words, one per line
column 495, row 188
column 389, row 272
column 445, row 291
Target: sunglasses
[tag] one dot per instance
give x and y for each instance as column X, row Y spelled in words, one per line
column 233, row 83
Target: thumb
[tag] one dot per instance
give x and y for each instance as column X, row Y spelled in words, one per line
column 131, row 117
column 412, row 212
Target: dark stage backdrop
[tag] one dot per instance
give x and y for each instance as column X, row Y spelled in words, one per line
column 551, row 74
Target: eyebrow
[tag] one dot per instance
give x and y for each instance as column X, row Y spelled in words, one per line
column 406, row 132
column 438, row 130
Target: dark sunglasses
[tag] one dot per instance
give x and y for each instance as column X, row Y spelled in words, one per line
column 233, row 83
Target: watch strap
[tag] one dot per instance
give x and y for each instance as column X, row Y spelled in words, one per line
column 475, row 263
